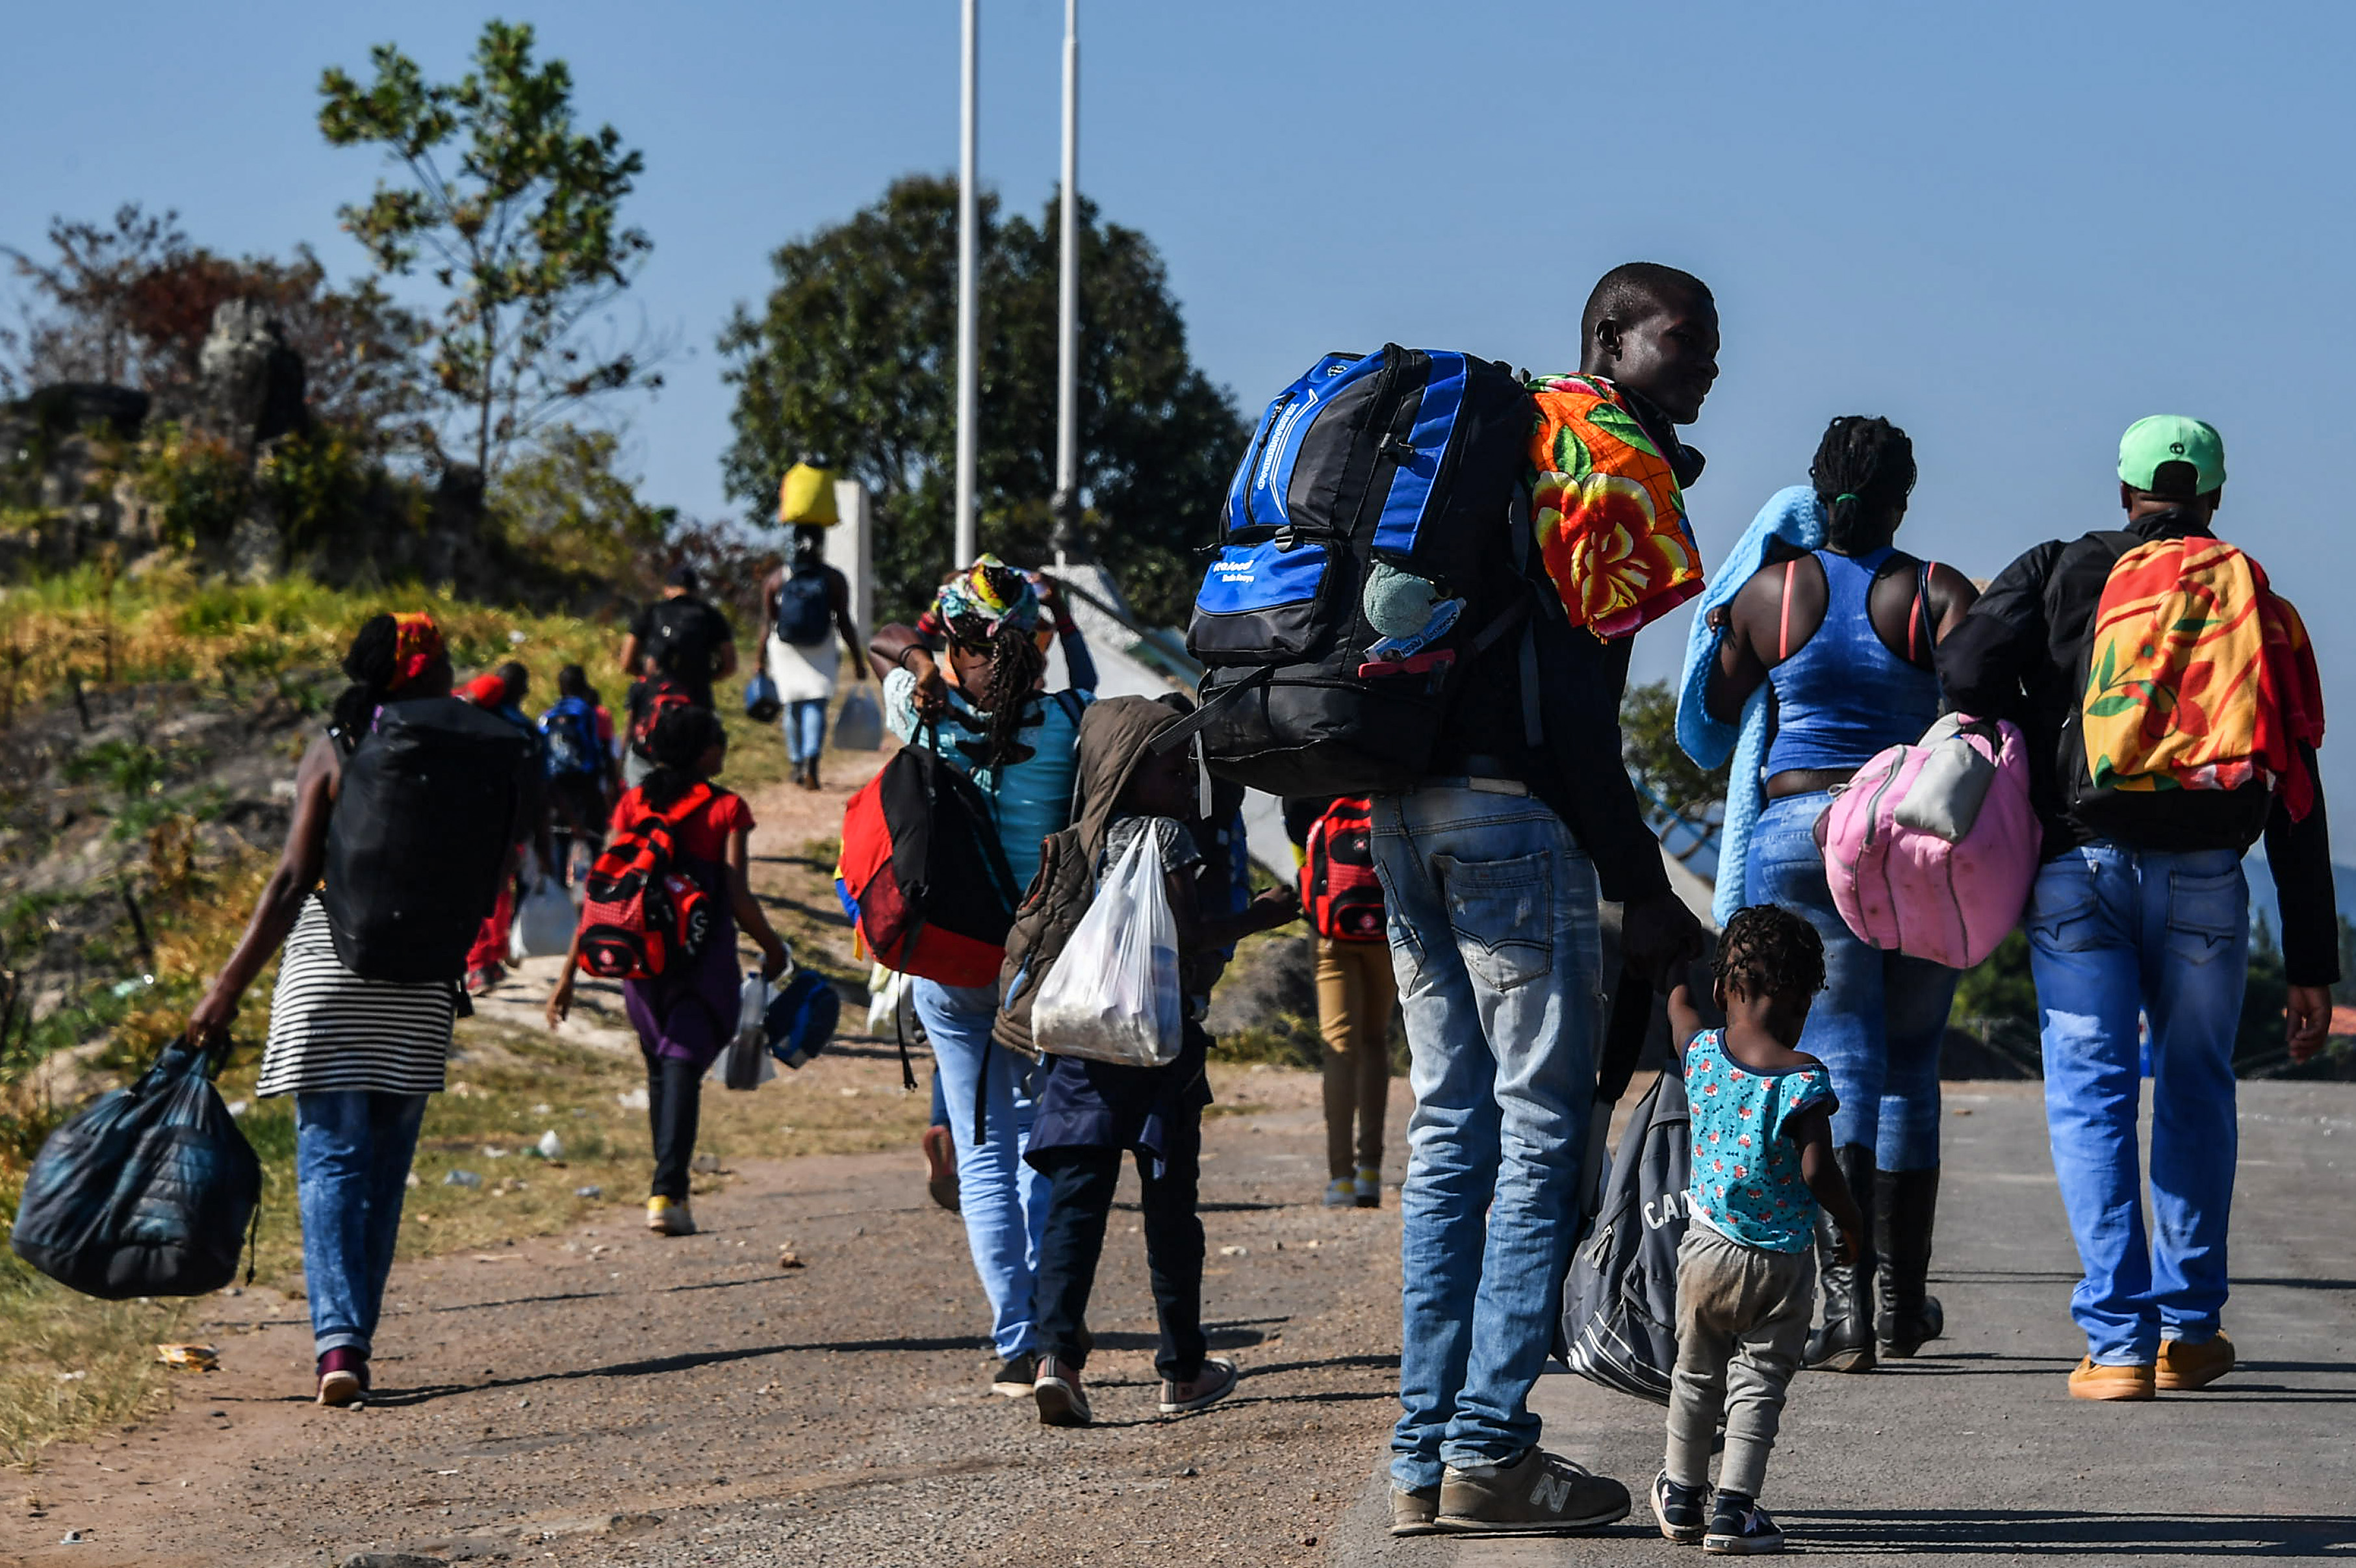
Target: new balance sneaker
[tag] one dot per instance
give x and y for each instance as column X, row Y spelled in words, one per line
column 669, row 1216
column 1215, row 1382
column 1740, row 1528
column 2185, row 1366
column 1060, row 1400
column 1367, row 1190
column 1534, row 1491
column 1412, row 1512
column 1341, row 1193
column 1680, row 1509
column 1015, row 1376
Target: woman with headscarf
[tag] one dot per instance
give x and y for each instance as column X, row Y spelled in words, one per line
column 985, row 717
column 359, row 1056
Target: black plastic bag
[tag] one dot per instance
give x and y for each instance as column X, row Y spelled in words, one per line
column 149, row 1192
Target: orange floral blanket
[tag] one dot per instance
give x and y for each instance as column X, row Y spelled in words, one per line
column 2199, row 676
column 1609, row 517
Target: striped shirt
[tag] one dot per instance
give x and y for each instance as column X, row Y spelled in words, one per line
column 330, row 1029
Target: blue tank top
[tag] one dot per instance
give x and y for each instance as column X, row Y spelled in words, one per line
column 1844, row 695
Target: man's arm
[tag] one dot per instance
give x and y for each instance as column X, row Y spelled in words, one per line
column 1985, row 662
column 838, row 594
column 771, row 586
column 2300, row 855
column 725, row 635
column 631, row 651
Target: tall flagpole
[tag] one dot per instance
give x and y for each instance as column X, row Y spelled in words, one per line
column 967, row 325
column 1067, row 330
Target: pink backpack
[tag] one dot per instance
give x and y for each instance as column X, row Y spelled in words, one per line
column 1932, row 847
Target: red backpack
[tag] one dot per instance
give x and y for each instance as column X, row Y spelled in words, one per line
column 1338, row 885
column 661, row 695
column 643, row 913
column 921, row 871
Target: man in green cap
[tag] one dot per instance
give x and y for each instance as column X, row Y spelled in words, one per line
column 2140, row 909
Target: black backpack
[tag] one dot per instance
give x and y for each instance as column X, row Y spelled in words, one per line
column 1376, row 503
column 149, row 1192
column 804, row 609
column 1619, row 1324
column 680, row 639
column 430, row 804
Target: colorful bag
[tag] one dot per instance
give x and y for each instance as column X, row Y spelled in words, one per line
column 2199, row 677
column 658, row 697
column 1338, row 885
column 1930, row 848
column 1609, row 517
column 643, row 913
column 921, row 872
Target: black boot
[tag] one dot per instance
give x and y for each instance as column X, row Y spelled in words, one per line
column 1845, row 1343
column 1904, row 1204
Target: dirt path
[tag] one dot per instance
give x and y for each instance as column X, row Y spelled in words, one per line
column 609, row 1397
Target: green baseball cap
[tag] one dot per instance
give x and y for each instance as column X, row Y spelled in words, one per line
column 2172, row 438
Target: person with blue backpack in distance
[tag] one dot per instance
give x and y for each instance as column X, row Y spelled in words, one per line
column 804, row 609
column 2172, row 710
column 577, row 733
column 1018, row 743
column 1840, row 626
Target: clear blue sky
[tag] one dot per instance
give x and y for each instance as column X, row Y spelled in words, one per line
column 2012, row 227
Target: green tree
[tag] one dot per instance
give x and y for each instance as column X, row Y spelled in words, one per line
column 852, row 363
column 521, row 216
column 1648, row 735
column 565, row 501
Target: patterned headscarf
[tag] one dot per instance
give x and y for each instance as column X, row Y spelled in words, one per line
column 986, row 596
column 417, row 643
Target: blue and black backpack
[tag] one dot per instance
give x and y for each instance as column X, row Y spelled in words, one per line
column 1378, row 497
column 571, row 728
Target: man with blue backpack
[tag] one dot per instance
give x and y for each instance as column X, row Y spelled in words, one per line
column 577, row 747
column 1412, row 602
column 804, row 607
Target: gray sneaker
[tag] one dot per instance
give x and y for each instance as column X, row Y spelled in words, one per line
column 1412, row 1513
column 1534, row 1491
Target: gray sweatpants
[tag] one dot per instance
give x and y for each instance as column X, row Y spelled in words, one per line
column 1742, row 1323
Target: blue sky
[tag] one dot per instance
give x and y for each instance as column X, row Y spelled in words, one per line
column 2013, row 229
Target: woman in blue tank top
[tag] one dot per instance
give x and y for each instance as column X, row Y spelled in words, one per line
column 1843, row 637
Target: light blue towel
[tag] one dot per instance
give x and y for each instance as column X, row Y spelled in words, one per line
column 1795, row 517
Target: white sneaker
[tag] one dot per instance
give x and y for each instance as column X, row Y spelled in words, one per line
column 669, row 1216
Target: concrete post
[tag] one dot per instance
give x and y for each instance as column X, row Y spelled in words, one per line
column 851, row 551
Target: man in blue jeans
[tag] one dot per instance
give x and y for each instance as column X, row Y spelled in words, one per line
column 2140, row 912
column 1491, row 870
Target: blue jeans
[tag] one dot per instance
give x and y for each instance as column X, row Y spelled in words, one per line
column 1882, row 1016
column 1003, row 1200
column 2112, row 932
column 352, row 1149
column 804, row 722
column 1495, row 945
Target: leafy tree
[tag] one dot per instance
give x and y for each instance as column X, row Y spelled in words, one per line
column 852, row 363
column 515, row 213
column 131, row 304
column 565, row 501
column 1648, row 734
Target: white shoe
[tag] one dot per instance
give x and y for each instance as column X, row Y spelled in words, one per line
column 669, row 1216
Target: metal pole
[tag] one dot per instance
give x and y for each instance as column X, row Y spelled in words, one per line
column 967, row 325
column 1067, row 330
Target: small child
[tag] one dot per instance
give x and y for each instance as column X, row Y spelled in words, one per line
column 1762, row 1161
column 1090, row 1112
column 687, row 1014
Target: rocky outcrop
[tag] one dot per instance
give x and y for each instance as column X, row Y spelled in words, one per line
column 249, row 386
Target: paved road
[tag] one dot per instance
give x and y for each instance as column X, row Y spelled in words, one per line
column 1975, row 1454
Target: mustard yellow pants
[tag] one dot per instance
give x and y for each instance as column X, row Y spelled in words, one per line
column 1356, row 992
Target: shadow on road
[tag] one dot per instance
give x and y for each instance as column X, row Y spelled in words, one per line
column 2034, row 1533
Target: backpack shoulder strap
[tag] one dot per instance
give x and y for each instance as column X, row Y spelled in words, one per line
column 1074, row 709
column 1783, row 615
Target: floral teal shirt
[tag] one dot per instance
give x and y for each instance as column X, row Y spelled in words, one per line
column 1746, row 1173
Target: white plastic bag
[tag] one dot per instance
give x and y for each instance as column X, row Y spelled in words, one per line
column 543, row 922
column 859, row 725
column 1114, row 994
column 745, row 1062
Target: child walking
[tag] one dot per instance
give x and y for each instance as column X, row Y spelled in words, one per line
column 1090, row 1112
column 685, row 1014
column 1763, row 1162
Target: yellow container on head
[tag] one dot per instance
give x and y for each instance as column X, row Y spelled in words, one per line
column 806, row 497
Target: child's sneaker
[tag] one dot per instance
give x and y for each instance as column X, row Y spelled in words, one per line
column 1367, row 1190
column 1341, row 1193
column 1740, row 1527
column 669, row 1216
column 1680, row 1509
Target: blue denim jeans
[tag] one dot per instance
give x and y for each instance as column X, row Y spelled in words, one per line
column 352, row 1149
column 1002, row 1199
column 1496, row 944
column 1882, row 1016
column 2113, row 932
column 805, row 725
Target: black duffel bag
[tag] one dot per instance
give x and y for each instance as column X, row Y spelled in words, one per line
column 149, row 1192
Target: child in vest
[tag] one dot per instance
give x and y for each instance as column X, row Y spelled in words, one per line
column 1763, row 1162
column 687, row 1014
column 1090, row 1112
